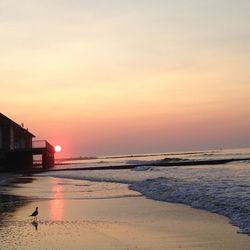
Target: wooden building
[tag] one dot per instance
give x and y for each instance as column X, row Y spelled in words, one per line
column 17, row 150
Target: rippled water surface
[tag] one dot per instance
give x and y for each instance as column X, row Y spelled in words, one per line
column 224, row 189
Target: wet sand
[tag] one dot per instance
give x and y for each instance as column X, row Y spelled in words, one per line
column 77, row 214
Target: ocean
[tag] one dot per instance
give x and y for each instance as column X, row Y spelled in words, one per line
column 220, row 188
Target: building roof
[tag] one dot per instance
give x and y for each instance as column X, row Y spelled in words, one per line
column 9, row 121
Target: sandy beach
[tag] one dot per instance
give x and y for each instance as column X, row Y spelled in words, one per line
column 76, row 214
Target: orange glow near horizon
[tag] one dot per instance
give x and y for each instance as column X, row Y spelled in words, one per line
column 129, row 76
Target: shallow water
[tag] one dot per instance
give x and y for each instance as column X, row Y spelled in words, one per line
column 71, row 217
column 224, row 189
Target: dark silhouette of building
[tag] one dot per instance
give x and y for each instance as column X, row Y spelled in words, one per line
column 17, row 147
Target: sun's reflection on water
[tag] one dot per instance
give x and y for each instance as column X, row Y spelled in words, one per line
column 57, row 202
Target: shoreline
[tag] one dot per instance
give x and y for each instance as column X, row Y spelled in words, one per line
column 111, row 223
column 162, row 163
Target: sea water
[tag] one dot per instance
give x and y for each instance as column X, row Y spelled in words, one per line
column 223, row 189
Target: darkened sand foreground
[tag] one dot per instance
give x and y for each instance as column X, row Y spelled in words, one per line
column 73, row 216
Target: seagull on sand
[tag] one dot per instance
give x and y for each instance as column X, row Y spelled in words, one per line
column 35, row 213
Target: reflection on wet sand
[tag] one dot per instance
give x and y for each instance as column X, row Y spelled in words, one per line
column 109, row 217
column 34, row 224
column 57, row 202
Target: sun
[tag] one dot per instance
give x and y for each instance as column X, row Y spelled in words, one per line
column 58, row 148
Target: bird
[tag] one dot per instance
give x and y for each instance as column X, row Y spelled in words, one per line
column 35, row 213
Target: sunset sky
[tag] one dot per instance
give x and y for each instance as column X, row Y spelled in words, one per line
column 127, row 76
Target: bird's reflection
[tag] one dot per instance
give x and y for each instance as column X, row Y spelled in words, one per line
column 34, row 223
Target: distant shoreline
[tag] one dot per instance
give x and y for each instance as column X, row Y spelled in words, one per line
column 162, row 163
column 128, row 156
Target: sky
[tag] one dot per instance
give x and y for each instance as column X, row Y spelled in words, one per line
column 125, row 77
